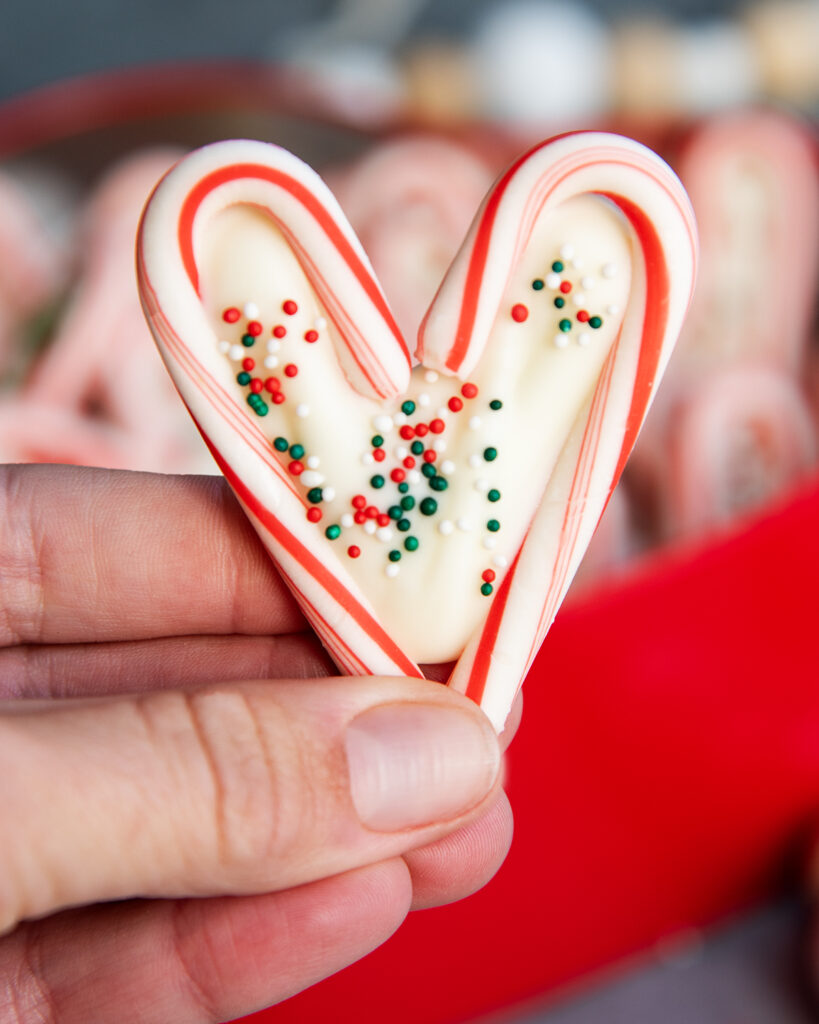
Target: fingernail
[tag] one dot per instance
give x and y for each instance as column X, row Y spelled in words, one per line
column 415, row 764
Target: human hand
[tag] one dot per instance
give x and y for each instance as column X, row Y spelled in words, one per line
column 176, row 839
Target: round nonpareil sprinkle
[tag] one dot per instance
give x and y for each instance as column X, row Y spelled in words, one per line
column 520, row 313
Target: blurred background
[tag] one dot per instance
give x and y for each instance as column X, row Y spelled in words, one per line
column 667, row 795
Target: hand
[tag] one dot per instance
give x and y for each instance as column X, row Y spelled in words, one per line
column 256, row 836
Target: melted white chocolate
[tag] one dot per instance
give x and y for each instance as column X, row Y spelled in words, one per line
column 430, row 599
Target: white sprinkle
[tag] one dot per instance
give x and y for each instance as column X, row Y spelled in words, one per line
column 251, row 310
column 430, row 376
column 401, row 451
column 475, row 461
column 578, row 263
column 489, row 541
column 384, row 533
column 587, row 282
column 579, row 299
column 609, row 270
column 414, row 477
column 319, row 323
column 237, row 352
column 302, row 410
column 612, row 310
column 424, row 399
column 463, row 524
column 347, row 520
column 328, row 493
column 367, row 459
column 383, row 424
column 271, row 362
column 482, row 485
column 439, row 445
column 474, row 422
column 553, row 281
column 311, row 478
column 313, row 462
column 445, row 527
column 501, row 561
column 584, row 339
column 561, row 340
column 566, row 251
column 370, row 526
column 274, row 345
column 442, row 413
column 447, row 466
column 392, row 569
column 399, row 419
column 224, row 347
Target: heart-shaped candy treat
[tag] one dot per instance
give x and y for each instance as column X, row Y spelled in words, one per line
column 429, row 510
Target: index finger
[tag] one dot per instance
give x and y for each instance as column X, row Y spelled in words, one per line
column 92, row 554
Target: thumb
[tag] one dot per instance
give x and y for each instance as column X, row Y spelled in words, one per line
column 237, row 789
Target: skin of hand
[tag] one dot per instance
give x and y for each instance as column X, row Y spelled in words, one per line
column 197, row 819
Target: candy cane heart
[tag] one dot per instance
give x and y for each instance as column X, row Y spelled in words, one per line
column 571, row 287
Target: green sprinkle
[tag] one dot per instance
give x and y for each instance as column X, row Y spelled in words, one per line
column 261, row 409
column 377, row 481
column 408, row 503
column 248, row 340
column 411, row 543
column 560, row 302
column 408, row 408
column 395, row 555
column 243, row 378
column 565, row 325
column 494, row 494
column 417, row 448
column 490, row 454
column 429, row 470
column 315, row 495
column 297, row 451
column 439, row 483
column 403, row 488
column 496, row 404
column 486, row 589
column 429, row 506
column 493, row 525
column 403, row 525
column 280, row 444
column 537, row 284
column 595, row 322
column 557, row 267
column 377, row 441
column 394, row 512
column 332, row 532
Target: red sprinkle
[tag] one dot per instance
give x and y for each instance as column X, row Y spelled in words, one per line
column 279, row 331
column 409, row 462
column 382, row 519
column 231, row 315
column 565, row 287
column 430, row 455
column 295, row 467
column 359, row 501
column 407, row 432
column 359, row 517
column 519, row 312
column 314, row 514
column 353, row 551
column 254, row 328
column 278, row 397
column 311, row 336
column 421, row 429
column 470, row 390
column 582, row 316
column 398, row 476
column 371, row 511
column 291, row 370
column 437, row 426
column 455, row 404
column 256, row 385
column 248, row 364
column 272, row 384
column 488, row 575
column 290, row 307
column 379, row 454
